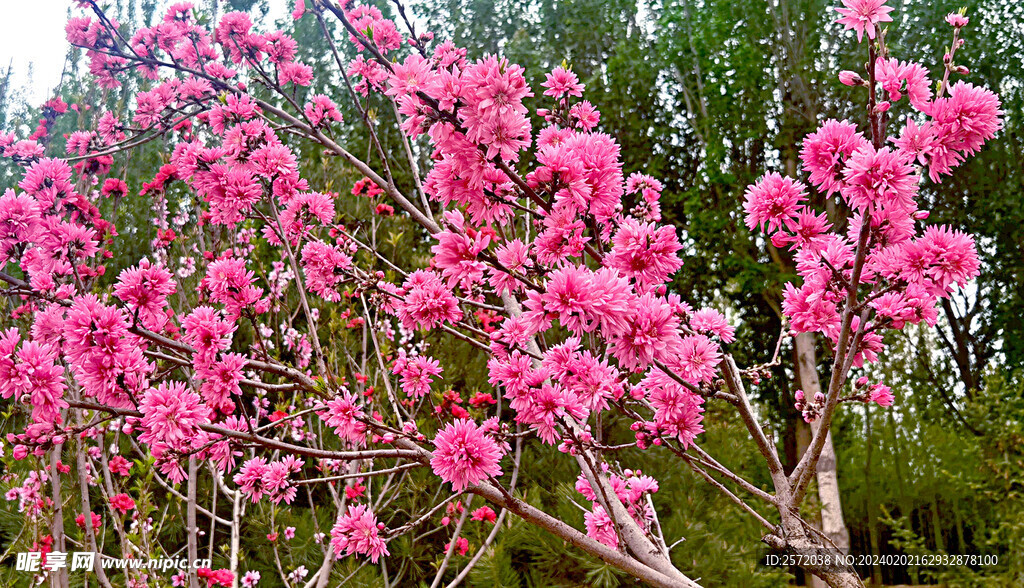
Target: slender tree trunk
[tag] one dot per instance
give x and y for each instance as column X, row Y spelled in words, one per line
column 906, row 506
column 961, row 543
column 192, row 529
column 940, row 543
column 59, row 577
column 832, row 523
column 872, row 508
column 236, row 530
column 324, row 574
column 90, row 533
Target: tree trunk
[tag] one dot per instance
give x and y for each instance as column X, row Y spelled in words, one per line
column 59, row 577
column 940, row 543
column 797, row 540
column 832, row 523
column 191, row 529
column 90, row 533
column 872, row 508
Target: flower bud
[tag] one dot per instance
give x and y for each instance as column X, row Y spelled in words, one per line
column 850, row 78
column 882, row 106
column 956, row 20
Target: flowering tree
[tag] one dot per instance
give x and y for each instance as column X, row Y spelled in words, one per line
column 545, row 259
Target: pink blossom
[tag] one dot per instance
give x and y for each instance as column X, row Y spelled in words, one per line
column 514, row 256
column 773, row 201
column 411, row 76
column 585, row 115
column 461, row 546
column 427, row 302
column 645, row 252
column 648, row 207
column 600, row 527
column 877, row 178
column 562, row 82
column 357, row 531
column 231, row 191
column 863, row 15
column 172, row 415
column 957, row 20
column 207, row 332
column 43, row 379
column 594, row 382
column 850, row 78
column 954, row 258
column 709, row 320
column 542, row 409
column 698, row 356
column 32, row 373
column 280, row 47
column 825, row 152
column 457, row 254
column 320, row 109
column 250, row 478
column 219, row 381
column 119, row 465
column 344, row 414
column 233, row 34
column 881, row 395
column 515, row 373
column 277, row 480
column 917, row 141
column 417, row 374
column 325, row 267
column 464, row 455
column 963, row 122
column 122, row 502
column 145, row 289
column 106, row 360
column 583, row 301
column 19, row 222
column 305, row 212
column 231, row 284
column 113, row 187
column 677, row 411
column 494, row 115
column 370, row 74
column 652, row 335
column 484, row 513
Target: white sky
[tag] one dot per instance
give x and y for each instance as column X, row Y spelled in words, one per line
column 32, row 32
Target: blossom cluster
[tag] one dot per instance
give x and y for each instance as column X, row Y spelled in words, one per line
column 543, row 254
column 904, row 269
